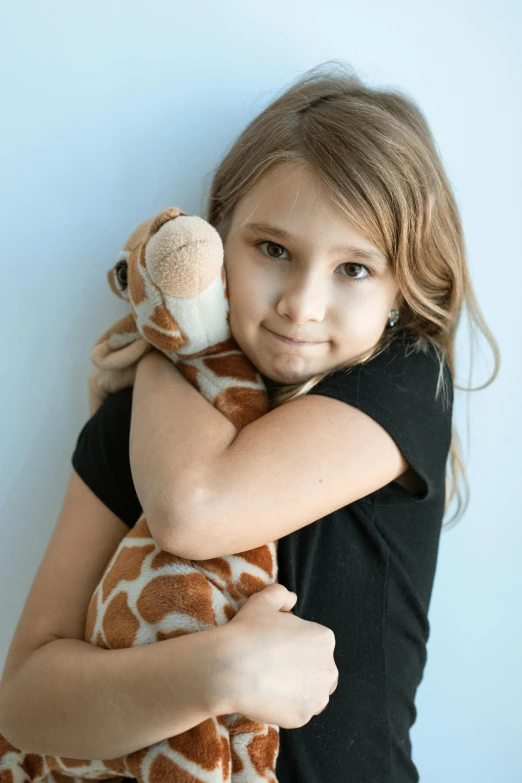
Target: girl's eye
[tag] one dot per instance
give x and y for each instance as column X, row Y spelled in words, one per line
column 354, row 279
column 273, row 244
column 359, row 266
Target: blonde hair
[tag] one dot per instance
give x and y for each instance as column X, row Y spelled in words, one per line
column 373, row 152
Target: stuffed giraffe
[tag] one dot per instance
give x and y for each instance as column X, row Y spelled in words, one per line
column 171, row 271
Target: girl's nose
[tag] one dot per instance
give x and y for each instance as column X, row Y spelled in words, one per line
column 303, row 298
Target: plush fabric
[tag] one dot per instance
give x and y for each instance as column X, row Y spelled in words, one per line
column 171, row 272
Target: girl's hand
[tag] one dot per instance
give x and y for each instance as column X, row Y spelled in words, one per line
column 279, row 668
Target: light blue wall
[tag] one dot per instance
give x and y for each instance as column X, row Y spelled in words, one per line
column 114, row 110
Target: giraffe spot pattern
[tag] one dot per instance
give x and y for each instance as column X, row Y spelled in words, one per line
column 262, row 557
column 163, row 559
column 232, row 366
column 201, row 744
column 120, row 626
column 163, row 769
column 34, row 765
column 249, row 584
column 126, row 567
column 263, row 750
column 137, row 290
column 165, row 342
column 187, row 593
column 144, row 587
column 233, row 404
column 161, row 317
column 218, row 566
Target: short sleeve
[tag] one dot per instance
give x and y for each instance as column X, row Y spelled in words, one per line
column 101, row 457
column 397, row 389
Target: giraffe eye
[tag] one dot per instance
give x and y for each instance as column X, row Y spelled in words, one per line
column 121, row 273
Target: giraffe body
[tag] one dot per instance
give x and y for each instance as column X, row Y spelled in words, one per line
column 172, row 274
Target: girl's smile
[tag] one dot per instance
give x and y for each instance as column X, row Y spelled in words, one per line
column 299, row 343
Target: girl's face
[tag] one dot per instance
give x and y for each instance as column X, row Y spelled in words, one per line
column 291, row 277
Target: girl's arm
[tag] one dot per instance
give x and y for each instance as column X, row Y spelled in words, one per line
column 62, row 696
column 73, row 699
column 208, row 490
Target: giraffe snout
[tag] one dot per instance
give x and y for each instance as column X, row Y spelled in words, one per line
column 184, row 256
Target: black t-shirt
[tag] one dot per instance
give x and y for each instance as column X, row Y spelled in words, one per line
column 366, row 571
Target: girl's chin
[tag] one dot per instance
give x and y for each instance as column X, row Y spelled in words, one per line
column 288, row 373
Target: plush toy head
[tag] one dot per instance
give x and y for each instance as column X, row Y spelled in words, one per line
column 171, row 271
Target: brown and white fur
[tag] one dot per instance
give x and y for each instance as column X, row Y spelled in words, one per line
column 171, row 272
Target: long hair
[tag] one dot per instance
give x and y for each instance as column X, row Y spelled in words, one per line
column 373, row 152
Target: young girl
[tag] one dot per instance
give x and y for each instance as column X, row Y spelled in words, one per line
column 347, row 274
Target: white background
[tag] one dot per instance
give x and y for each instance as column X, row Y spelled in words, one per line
column 114, row 110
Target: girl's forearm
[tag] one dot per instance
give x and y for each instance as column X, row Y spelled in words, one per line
column 74, row 699
column 175, row 431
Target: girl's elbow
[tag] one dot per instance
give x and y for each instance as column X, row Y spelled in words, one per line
column 177, row 530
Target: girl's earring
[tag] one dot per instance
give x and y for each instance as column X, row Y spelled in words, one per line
column 393, row 318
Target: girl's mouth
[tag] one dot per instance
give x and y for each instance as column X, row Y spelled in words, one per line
column 291, row 342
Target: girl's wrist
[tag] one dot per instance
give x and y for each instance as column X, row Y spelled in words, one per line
column 220, row 675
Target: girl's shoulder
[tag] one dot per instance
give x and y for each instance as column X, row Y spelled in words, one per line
column 408, row 391
column 406, row 373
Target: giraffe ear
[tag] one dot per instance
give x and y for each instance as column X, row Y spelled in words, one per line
column 170, row 213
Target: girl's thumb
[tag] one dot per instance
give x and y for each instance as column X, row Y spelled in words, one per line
column 278, row 596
